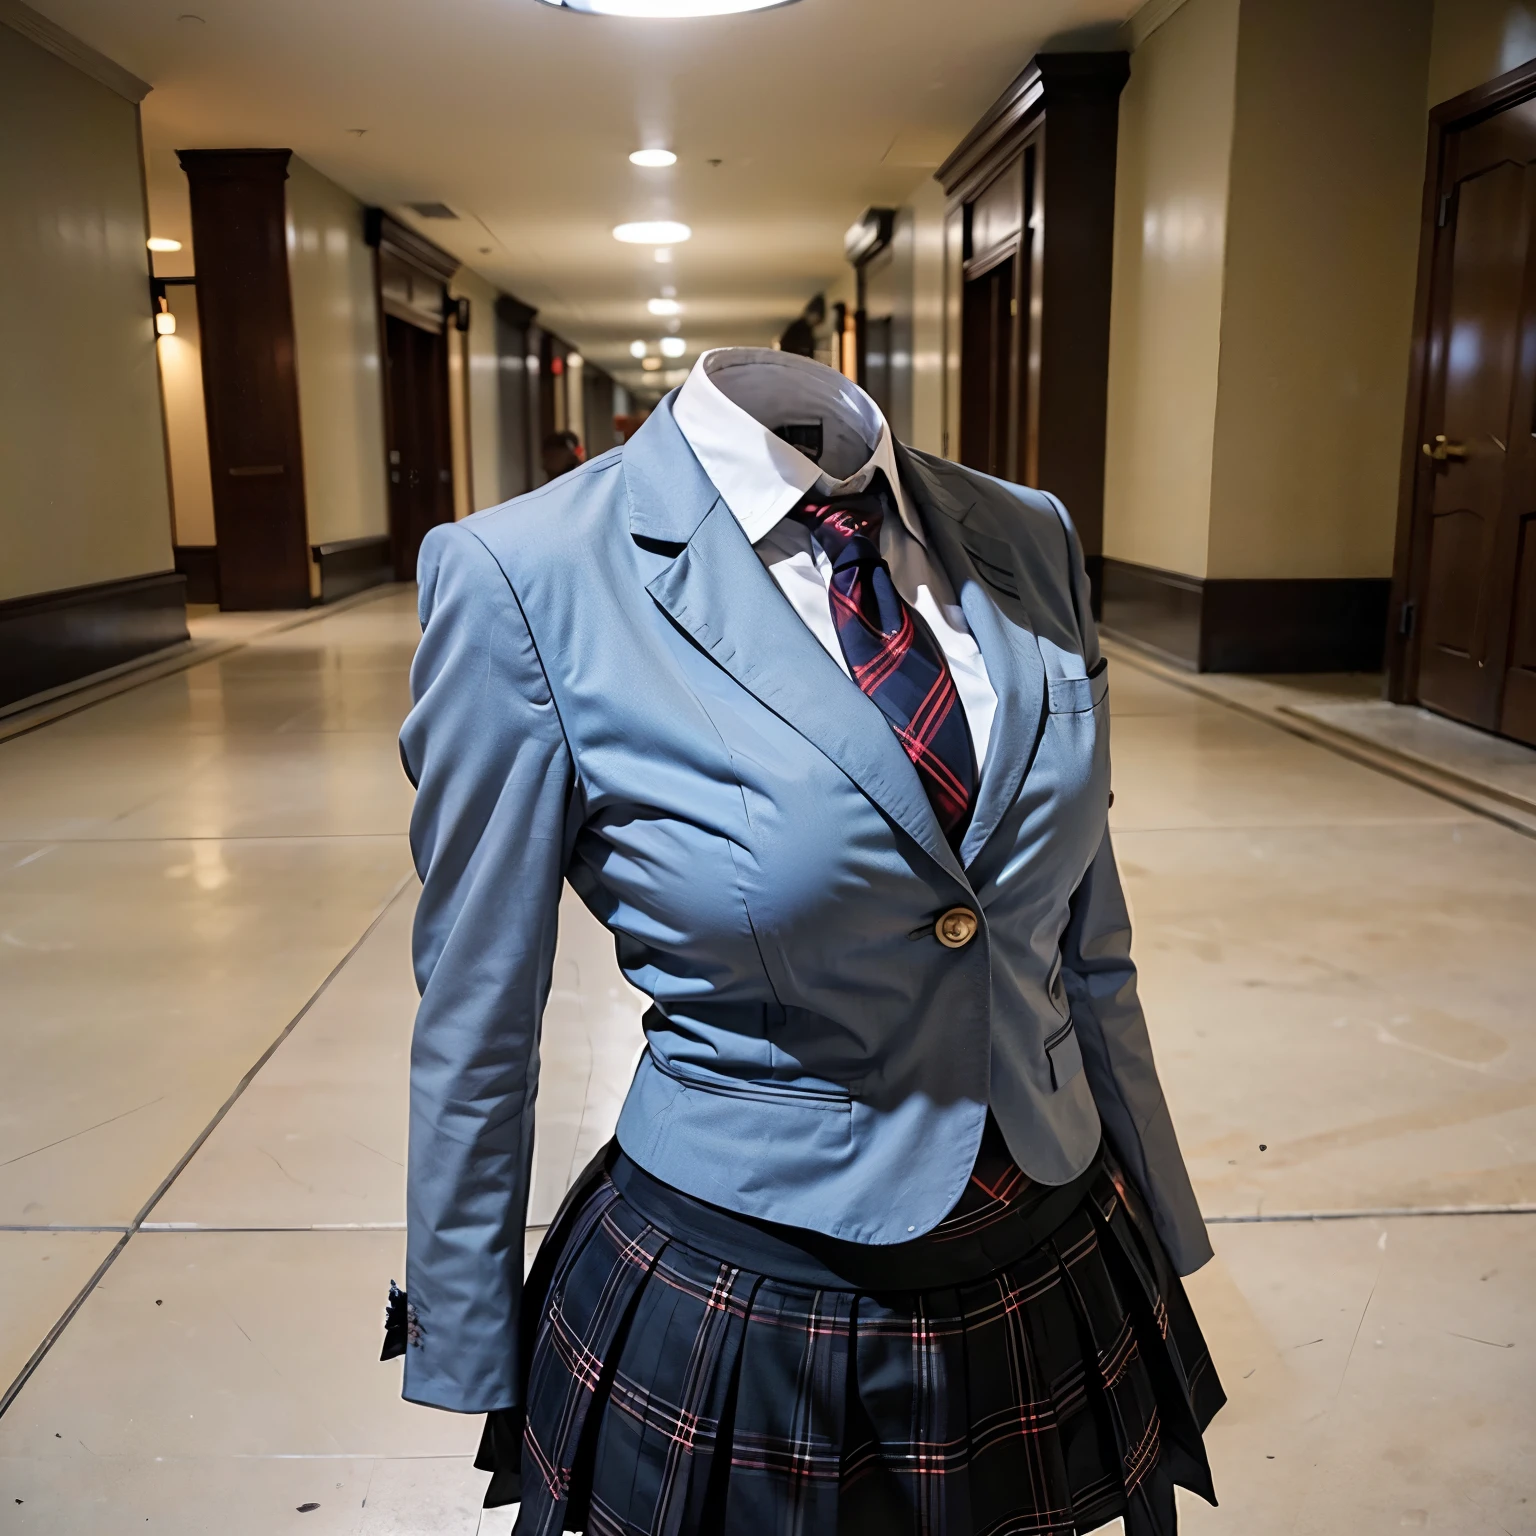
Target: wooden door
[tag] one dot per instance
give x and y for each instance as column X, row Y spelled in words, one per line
column 988, row 370
column 1475, row 519
column 420, row 445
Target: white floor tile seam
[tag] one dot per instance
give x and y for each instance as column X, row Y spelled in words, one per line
column 15, row 1388
column 1370, row 1213
column 1219, row 1219
column 134, row 1458
column 1122, row 828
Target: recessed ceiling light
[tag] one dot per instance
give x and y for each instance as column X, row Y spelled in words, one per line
column 653, row 159
column 637, row 349
column 651, row 364
column 653, row 232
column 665, row 8
column 663, row 256
column 160, row 243
column 673, row 346
column 664, row 307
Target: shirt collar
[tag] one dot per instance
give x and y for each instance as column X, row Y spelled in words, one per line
column 760, row 476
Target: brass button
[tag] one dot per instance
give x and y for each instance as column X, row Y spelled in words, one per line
column 956, row 928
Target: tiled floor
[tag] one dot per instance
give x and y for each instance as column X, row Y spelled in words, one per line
column 213, row 866
column 1507, row 767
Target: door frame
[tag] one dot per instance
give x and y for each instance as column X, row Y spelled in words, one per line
column 1410, row 563
column 410, row 283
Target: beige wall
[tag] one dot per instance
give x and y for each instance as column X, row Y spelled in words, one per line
column 484, row 388
column 927, row 207
column 1176, row 118
column 186, row 421
column 83, row 493
column 1474, row 40
column 1317, row 305
column 1271, row 165
column 336, row 339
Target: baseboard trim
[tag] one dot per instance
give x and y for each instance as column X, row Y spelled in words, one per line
column 1223, row 625
column 52, row 638
column 352, row 565
column 199, row 563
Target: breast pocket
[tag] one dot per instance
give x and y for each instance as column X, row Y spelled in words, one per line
column 1080, row 695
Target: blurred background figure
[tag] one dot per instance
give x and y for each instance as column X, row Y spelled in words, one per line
column 562, row 453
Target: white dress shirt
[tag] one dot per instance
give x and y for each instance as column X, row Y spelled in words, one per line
column 727, row 409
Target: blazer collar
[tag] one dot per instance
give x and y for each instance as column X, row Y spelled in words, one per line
column 990, row 585
column 669, row 493
column 716, row 590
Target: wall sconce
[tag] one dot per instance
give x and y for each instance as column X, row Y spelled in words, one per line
column 165, row 321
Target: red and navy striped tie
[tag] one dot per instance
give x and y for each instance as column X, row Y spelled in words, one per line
column 892, row 653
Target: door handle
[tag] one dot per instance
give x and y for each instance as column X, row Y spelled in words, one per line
column 1442, row 450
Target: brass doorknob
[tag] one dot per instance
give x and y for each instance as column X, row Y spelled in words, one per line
column 1442, row 449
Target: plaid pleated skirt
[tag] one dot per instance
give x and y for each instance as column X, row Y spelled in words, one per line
column 693, row 1373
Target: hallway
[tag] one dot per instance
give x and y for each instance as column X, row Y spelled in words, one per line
column 205, row 901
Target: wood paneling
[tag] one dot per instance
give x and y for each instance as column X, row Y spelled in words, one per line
column 351, row 565
column 245, row 316
column 54, row 638
column 1033, row 188
column 199, row 564
column 1296, row 625
column 518, row 413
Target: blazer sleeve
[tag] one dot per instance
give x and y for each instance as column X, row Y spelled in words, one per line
column 1100, row 978
column 484, row 746
column 1111, row 1029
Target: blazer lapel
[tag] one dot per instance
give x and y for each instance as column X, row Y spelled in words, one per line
column 717, row 591
column 985, row 574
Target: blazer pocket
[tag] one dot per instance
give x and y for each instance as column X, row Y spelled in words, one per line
column 1078, row 695
column 1063, row 1055
column 829, row 1097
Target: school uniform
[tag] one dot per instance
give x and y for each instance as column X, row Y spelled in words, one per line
column 890, row 1235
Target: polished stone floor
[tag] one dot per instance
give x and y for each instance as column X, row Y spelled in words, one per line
column 205, row 1003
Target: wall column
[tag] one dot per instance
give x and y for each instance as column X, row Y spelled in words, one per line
column 250, row 385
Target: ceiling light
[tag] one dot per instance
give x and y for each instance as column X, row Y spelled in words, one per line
column 664, row 8
column 664, row 307
column 651, row 364
column 663, row 256
column 160, row 243
column 653, row 232
column 673, row 346
column 653, row 159
column 637, row 349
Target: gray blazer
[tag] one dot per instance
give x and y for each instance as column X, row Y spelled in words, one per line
column 611, row 690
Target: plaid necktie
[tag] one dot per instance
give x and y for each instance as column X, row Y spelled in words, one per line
column 892, row 653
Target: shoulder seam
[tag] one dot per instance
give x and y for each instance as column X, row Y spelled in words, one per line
column 538, row 656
